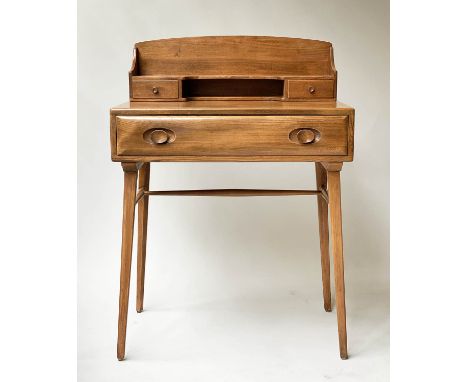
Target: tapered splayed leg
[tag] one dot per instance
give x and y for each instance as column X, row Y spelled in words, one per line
column 334, row 195
column 143, row 184
column 322, row 204
column 130, row 181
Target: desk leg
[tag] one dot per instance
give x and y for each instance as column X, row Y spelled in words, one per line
column 143, row 183
column 130, row 181
column 334, row 195
column 321, row 176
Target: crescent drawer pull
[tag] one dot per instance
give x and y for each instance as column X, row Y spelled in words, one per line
column 304, row 136
column 159, row 136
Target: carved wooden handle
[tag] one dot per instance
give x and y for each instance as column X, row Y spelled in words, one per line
column 159, row 137
column 305, row 136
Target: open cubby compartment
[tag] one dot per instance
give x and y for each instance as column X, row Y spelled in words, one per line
column 232, row 68
column 232, row 87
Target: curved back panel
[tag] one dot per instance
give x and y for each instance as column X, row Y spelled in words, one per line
column 243, row 56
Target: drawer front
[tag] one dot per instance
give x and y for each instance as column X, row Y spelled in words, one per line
column 232, row 135
column 308, row 89
column 155, row 89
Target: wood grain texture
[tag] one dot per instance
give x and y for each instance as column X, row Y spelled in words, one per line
column 130, row 181
column 230, row 158
column 232, row 99
column 224, row 67
column 143, row 184
column 332, row 166
column 231, row 108
column 235, row 107
column 133, row 71
column 236, row 56
column 322, row 204
column 334, row 193
column 232, row 88
column 311, row 89
column 234, row 192
column 232, row 135
column 139, row 195
column 147, row 88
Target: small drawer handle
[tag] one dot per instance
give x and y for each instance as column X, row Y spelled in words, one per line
column 305, row 136
column 311, row 90
column 159, row 137
column 155, row 90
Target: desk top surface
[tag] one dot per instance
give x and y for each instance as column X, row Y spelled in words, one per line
column 232, row 108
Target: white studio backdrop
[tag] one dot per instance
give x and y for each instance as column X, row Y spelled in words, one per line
column 205, row 250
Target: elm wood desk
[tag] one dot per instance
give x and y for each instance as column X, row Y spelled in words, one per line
column 223, row 107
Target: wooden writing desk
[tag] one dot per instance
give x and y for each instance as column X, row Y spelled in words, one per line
column 232, row 99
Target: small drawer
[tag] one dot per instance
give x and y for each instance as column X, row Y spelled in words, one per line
column 154, row 89
column 308, row 89
column 232, row 135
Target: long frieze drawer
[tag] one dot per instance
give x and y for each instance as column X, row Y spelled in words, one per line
column 154, row 89
column 232, row 135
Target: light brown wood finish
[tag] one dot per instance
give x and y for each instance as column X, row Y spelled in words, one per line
column 233, row 99
column 145, row 110
column 237, row 65
column 334, row 194
column 322, row 204
column 248, row 56
column 311, row 89
column 236, row 107
column 139, row 195
column 143, row 184
column 154, row 89
column 231, row 135
column 130, row 181
column 232, row 88
column 235, row 192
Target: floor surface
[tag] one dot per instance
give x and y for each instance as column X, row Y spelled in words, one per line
column 283, row 336
column 231, row 299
